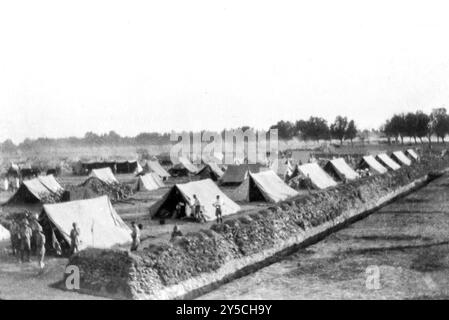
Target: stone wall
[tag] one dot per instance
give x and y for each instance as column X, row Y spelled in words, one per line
column 200, row 261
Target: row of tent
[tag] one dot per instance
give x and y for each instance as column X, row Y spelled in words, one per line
column 102, row 227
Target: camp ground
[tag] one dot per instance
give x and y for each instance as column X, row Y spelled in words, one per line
column 206, row 191
column 154, row 166
column 212, row 171
column 263, row 186
column 340, row 169
column 183, row 168
column 236, row 174
column 149, row 181
column 401, row 158
column 369, row 162
column 100, row 225
column 319, row 178
column 105, row 175
column 33, row 190
column 387, row 161
column 412, row 154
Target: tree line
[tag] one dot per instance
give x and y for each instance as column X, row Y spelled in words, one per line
column 316, row 129
column 414, row 125
column 418, row 125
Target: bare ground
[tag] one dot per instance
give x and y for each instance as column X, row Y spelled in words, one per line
column 26, row 281
column 407, row 241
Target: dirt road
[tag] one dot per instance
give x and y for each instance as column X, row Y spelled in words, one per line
column 399, row 252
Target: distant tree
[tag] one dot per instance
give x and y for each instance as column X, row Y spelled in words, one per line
column 286, row 129
column 113, row 137
column 440, row 123
column 351, row 132
column 411, row 125
column 422, row 125
column 7, row 146
column 397, row 127
column 338, row 128
column 315, row 128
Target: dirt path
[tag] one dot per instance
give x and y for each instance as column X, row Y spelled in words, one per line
column 406, row 242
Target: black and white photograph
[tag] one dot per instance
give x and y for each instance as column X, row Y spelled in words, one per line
column 228, row 152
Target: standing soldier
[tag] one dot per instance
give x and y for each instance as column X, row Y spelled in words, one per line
column 135, row 235
column 218, row 209
column 25, row 241
column 196, row 207
column 74, row 239
column 5, row 184
column 15, row 238
column 40, row 248
column 35, row 228
column 16, row 183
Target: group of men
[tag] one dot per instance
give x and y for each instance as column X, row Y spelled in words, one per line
column 27, row 237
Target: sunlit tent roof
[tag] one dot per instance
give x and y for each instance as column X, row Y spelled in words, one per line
column 282, row 167
column 236, row 174
column 154, row 166
column 206, row 191
column 320, row 179
column 341, row 169
column 4, row 233
column 34, row 190
column 138, row 169
column 373, row 164
column 186, row 164
column 149, row 181
column 212, row 171
column 412, row 153
column 105, row 175
column 100, row 226
column 388, row 162
column 50, row 183
column 264, row 186
column 401, row 158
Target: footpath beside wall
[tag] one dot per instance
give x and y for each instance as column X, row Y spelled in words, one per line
column 200, row 261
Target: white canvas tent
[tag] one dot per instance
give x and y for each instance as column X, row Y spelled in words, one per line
column 149, row 181
column 412, row 154
column 154, row 166
column 387, row 161
column 211, row 170
column 374, row 165
column 401, row 158
column 341, row 169
column 264, row 186
column 50, row 183
column 187, row 165
column 105, row 175
column 139, row 168
column 206, row 191
column 4, row 234
column 320, row 179
column 100, row 226
column 34, row 190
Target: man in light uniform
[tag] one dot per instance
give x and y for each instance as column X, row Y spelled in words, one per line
column 218, row 204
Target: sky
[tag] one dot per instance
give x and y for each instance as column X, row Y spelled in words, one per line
column 68, row 67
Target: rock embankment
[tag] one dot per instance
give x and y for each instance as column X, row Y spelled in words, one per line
column 202, row 260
